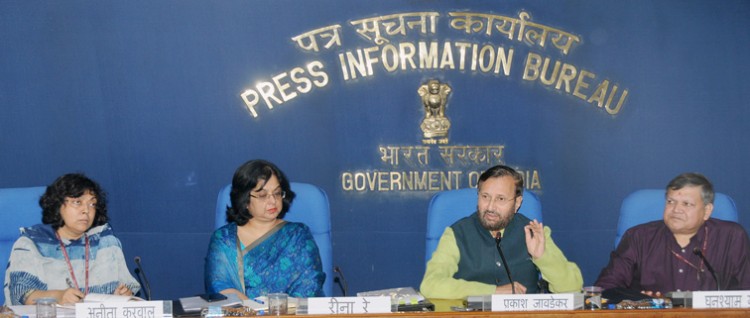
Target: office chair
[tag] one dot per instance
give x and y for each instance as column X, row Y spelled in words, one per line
column 447, row 207
column 309, row 207
column 19, row 207
column 648, row 205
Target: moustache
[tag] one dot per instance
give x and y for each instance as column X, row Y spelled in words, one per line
column 490, row 212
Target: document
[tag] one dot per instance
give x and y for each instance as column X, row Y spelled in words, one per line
column 101, row 298
column 196, row 303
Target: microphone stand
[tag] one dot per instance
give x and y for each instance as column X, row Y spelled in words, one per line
column 697, row 251
column 141, row 274
column 341, row 280
column 498, row 238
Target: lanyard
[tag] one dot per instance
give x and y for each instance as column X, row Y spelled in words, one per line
column 703, row 250
column 70, row 266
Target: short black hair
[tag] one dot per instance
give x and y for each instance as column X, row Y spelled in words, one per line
column 72, row 185
column 245, row 179
column 694, row 180
column 501, row 171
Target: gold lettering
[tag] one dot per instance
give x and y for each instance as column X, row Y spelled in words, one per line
column 347, row 182
column 599, row 94
column 266, row 92
column 428, row 58
column 429, row 55
column 370, row 60
column 359, row 181
column 551, row 79
column 581, row 84
column 535, row 183
column 383, row 182
column 371, row 180
column 389, row 56
column 356, row 64
column 486, row 58
column 474, row 178
column 342, row 64
column 316, row 69
column 395, row 181
column 331, row 32
column 250, row 103
column 446, row 61
column 283, row 87
column 474, row 57
column 462, row 46
column 531, row 71
column 420, row 181
column 503, row 60
column 407, row 51
column 616, row 110
column 568, row 74
column 306, row 84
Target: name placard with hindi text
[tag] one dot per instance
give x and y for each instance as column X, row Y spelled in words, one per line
column 130, row 309
column 532, row 302
column 348, row 305
column 721, row 299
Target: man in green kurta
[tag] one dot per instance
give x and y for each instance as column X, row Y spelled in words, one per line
column 467, row 262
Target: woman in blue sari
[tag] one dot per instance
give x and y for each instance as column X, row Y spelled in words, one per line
column 257, row 252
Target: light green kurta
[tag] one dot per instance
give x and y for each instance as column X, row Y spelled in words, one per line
column 438, row 282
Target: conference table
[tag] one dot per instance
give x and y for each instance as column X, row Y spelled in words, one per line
column 635, row 313
column 443, row 310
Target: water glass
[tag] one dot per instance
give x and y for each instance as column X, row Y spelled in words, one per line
column 46, row 308
column 278, row 303
column 592, row 297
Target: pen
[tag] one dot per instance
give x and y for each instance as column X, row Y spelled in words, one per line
column 70, row 284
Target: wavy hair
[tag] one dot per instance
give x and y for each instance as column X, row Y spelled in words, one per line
column 245, row 179
column 72, row 185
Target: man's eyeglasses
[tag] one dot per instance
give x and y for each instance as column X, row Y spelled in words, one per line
column 265, row 196
column 501, row 200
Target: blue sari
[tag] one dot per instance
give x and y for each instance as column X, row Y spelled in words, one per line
column 285, row 260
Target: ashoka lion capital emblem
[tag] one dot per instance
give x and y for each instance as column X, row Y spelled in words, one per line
column 434, row 99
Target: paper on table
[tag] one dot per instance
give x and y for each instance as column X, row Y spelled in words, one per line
column 100, row 298
column 30, row 311
column 197, row 303
column 400, row 295
column 261, row 303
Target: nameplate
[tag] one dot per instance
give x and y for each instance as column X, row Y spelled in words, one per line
column 721, row 299
column 131, row 309
column 348, row 305
column 532, row 302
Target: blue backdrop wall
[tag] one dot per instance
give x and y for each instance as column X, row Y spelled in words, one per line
column 146, row 98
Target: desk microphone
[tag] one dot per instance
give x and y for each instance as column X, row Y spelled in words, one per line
column 341, row 280
column 141, row 274
column 697, row 251
column 498, row 238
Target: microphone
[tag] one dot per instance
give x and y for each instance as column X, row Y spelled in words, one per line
column 697, row 251
column 498, row 238
column 141, row 274
column 341, row 280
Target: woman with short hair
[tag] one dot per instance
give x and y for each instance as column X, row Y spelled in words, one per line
column 73, row 253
